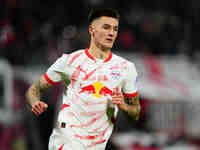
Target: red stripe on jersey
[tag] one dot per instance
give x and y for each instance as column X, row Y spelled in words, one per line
column 100, row 127
column 108, row 58
column 88, row 54
column 61, row 147
column 92, row 137
column 75, row 57
column 90, row 74
column 91, row 57
column 90, row 122
column 130, row 95
column 49, row 80
column 88, row 137
column 64, row 106
column 97, row 142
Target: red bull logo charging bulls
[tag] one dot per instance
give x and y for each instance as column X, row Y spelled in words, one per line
column 97, row 89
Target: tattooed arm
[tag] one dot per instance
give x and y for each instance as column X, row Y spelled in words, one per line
column 33, row 96
column 129, row 105
column 133, row 107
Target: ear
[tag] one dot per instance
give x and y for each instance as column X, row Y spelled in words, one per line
column 90, row 29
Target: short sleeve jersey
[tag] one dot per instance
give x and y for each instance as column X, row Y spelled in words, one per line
column 91, row 84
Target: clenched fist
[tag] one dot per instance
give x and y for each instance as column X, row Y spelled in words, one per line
column 118, row 99
column 39, row 107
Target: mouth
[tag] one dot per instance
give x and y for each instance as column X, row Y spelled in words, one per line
column 109, row 40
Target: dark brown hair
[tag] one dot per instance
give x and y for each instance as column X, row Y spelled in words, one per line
column 99, row 12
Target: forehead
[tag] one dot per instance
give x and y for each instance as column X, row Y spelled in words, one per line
column 106, row 20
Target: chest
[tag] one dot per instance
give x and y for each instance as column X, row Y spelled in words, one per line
column 105, row 73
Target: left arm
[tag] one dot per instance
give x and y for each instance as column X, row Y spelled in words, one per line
column 130, row 105
column 128, row 101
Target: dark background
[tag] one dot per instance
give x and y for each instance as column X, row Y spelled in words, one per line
column 33, row 34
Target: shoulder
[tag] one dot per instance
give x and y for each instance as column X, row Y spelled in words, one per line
column 72, row 56
column 67, row 57
column 77, row 52
column 123, row 61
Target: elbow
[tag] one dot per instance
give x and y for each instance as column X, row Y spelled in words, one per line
column 28, row 95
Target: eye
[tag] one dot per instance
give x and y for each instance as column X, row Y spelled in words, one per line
column 106, row 26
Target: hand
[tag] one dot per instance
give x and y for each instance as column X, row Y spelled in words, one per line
column 118, row 98
column 39, row 107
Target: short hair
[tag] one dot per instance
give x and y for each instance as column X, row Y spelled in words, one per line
column 100, row 12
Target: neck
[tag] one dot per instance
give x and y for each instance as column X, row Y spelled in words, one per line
column 99, row 53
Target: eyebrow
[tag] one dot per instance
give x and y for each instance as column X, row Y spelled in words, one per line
column 110, row 25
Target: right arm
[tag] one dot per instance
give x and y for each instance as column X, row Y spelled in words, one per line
column 51, row 77
column 33, row 96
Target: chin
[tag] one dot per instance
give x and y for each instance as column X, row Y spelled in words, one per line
column 107, row 46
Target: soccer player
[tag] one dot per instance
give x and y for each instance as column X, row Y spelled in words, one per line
column 101, row 83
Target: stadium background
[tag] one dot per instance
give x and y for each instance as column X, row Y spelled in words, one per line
column 161, row 37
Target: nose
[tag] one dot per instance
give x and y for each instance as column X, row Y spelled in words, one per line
column 111, row 32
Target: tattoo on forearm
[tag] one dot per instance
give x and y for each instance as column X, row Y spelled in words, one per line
column 35, row 91
column 41, row 87
column 134, row 115
column 134, row 107
column 33, row 94
column 132, row 100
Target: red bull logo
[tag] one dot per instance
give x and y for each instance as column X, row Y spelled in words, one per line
column 97, row 89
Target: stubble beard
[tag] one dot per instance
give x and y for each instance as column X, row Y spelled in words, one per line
column 102, row 46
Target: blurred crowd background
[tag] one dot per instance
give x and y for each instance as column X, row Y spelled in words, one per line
column 160, row 37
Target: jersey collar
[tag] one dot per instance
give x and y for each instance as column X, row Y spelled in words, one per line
column 91, row 57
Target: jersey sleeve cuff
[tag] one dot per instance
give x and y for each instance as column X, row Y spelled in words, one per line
column 130, row 95
column 49, row 80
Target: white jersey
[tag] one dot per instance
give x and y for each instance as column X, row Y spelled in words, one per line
column 82, row 120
